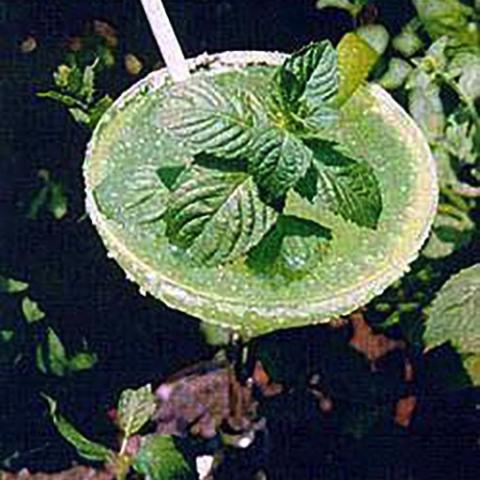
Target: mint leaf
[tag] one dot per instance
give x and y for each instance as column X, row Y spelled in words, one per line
column 453, row 315
column 135, row 408
column 279, row 160
column 31, row 311
column 311, row 74
column 10, row 285
column 85, row 448
column 345, row 186
column 51, row 357
column 160, row 459
column 218, row 215
column 201, row 113
column 292, row 248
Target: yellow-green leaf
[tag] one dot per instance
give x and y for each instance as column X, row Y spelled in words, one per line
column 355, row 60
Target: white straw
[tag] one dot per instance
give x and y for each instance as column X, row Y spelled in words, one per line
column 166, row 39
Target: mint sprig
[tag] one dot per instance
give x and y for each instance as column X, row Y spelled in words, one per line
column 250, row 153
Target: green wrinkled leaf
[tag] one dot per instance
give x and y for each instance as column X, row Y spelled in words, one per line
column 292, row 248
column 453, row 315
column 396, row 74
column 144, row 195
column 160, row 459
column 135, row 409
column 10, row 285
column 203, row 114
column 355, row 60
column 31, row 311
column 86, row 448
column 51, row 356
column 278, row 162
column 309, row 78
column 346, row 186
column 218, row 215
column 460, row 139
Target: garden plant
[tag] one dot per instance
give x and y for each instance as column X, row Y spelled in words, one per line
column 318, row 233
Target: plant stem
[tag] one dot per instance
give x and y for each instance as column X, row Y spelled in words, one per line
column 166, row 40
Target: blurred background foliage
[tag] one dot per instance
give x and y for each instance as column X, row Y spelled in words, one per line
column 73, row 328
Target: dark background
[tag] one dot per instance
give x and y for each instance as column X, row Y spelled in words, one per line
column 86, row 296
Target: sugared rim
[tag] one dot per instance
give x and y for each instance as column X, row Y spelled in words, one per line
column 254, row 319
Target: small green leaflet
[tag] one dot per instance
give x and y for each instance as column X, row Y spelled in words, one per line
column 308, row 82
column 218, row 215
column 345, row 186
column 453, row 315
column 135, row 409
column 206, row 116
column 10, row 285
column 85, row 448
column 31, row 311
column 278, row 161
column 160, row 459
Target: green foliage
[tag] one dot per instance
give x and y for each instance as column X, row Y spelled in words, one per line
column 352, row 6
column 160, row 459
column 31, row 310
column 135, row 408
column 211, row 119
column 220, row 210
column 76, row 90
column 52, row 358
column 217, row 215
column 454, row 312
column 50, row 197
column 85, row 448
column 10, row 285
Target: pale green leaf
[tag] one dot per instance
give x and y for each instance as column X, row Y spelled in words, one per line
column 218, row 215
column 453, row 315
column 65, row 99
column 160, row 459
column 201, row 113
column 425, row 104
column 80, row 116
column 9, row 285
column 351, row 6
column 82, row 361
column 355, row 60
column 51, row 355
column 31, row 311
column 88, row 83
column 472, row 366
column 278, row 162
column 376, row 36
column 346, row 186
column 85, row 448
column 58, row 204
column 135, row 408
column 407, row 42
column 396, row 74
